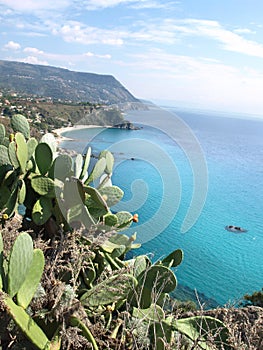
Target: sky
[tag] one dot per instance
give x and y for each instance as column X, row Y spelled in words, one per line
column 204, row 54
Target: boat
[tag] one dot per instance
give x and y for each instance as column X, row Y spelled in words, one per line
column 236, row 229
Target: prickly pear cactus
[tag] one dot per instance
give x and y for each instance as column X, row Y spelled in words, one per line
column 19, row 123
column 21, row 151
column 33, row 277
column 44, row 157
column 114, row 289
column 20, row 260
column 2, row 132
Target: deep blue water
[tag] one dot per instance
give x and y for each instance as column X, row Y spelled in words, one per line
column 210, row 163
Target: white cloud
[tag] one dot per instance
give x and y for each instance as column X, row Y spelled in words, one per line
column 11, row 45
column 80, row 33
column 203, row 82
column 137, row 4
column 33, row 60
column 33, row 50
column 91, row 54
column 33, row 5
column 244, row 31
column 230, row 40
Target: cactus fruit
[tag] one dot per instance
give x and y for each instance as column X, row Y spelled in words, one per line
column 21, row 256
column 135, row 218
column 20, row 124
column 44, row 157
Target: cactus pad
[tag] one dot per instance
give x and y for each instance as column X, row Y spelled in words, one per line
column 19, row 123
column 44, row 157
column 113, row 194
column 33, row 277
column 4, row 158
column 42, row 210
column 2, row 132
column 20, row 260
column 43, row 186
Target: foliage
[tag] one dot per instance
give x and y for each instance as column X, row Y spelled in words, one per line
column 61, row 83
column 55, row 188
column 83, row 279
column 255, row 299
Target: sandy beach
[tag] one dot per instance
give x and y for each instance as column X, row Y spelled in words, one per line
column 58, row 132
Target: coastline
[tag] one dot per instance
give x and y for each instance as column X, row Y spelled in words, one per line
column 58, row 132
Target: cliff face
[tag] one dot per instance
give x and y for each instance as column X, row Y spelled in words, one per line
column 62, row 84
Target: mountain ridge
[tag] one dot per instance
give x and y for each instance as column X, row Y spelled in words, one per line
column 62, row 83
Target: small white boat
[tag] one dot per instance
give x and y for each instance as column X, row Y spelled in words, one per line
column 236, row 229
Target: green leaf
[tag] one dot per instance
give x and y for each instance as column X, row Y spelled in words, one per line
column 27, row 325
column 4, row 158
column 33, row 277
column 84, row 172
column 42, row 210
column 61, row 167
column 200, row 328
column 21, row 256
column 50, row 140
column 97, row 170
column 21, row 150
column 31, row 146
column 12, row 154
column 113, row 195
column 78, row 166
column 44, row 157
column 43, row 186
column 1, row 261
column 153, row 313
column 113, row 289
column 172, row 260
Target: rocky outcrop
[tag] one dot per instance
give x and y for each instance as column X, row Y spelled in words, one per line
column 126, row 125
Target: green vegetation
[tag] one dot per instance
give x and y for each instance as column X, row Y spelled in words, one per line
column 46, row 114
column 66, row 283
column 63, row 84
column 254, row 299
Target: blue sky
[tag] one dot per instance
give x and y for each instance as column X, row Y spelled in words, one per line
column 192, row 53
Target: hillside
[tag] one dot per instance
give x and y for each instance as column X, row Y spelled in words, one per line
column 58, row 83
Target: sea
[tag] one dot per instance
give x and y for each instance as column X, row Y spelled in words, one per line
column 188, row 174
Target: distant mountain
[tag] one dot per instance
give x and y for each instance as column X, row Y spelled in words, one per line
column 59, row 83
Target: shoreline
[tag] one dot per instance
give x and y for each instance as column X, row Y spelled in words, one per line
column 60, row 138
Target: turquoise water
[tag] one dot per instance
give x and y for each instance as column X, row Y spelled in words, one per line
column 212, row 164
